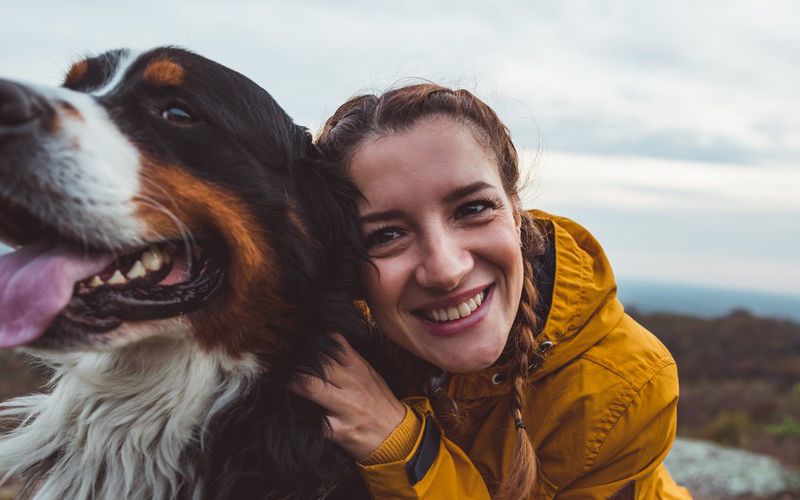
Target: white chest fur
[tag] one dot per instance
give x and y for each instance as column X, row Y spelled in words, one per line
column 124, row 424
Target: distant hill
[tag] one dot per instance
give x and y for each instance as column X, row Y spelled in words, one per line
column 739, row 379
column 705, row 302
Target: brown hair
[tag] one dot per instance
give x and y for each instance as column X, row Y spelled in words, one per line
column 398, row 110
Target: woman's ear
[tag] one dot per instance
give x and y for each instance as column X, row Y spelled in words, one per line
column 518, row 224
column 516, row 206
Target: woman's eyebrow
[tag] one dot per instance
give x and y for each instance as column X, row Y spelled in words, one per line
column 467, row 190
column 380, row 216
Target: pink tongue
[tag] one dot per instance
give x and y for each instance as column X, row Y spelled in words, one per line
column 36, row 283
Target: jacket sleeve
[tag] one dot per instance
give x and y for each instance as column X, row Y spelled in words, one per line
column 628, row 464
column 434, row 468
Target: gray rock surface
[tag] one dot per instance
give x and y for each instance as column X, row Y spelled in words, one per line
column 713, row 471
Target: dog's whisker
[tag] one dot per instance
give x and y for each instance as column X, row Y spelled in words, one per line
column 188, row 249
column 155, row 185
column 187, row 237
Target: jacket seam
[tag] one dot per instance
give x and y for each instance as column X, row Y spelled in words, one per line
column 581, row 292
column 659, row 364
column 622, row 407
column 605, row 334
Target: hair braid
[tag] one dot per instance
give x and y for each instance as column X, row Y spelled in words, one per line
column 521, row 479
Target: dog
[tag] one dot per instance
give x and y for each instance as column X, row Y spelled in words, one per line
column 183, row 252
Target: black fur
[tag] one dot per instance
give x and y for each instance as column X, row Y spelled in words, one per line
column 272, row 442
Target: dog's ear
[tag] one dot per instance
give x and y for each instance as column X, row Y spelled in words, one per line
column 330, row 200
column 348, row 196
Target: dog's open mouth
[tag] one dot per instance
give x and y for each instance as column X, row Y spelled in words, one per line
column 53, row 286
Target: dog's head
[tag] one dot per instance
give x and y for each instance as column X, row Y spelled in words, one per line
column 155, row 193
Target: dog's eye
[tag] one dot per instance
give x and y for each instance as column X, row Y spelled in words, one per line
column 177, row 115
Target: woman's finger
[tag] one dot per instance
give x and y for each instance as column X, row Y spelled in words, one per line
column 314, row 388
column 361, row 409
column 345, row 352
column 335, row 400
column 351, row 366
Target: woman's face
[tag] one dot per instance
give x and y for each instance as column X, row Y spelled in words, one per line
column 445, row 245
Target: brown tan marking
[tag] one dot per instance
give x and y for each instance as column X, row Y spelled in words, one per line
column 164, row 72
column 75, row 73
column 53, row 124
column 252, row 314
column 71, row 111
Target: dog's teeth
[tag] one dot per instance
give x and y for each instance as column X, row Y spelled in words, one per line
column 151, row 259
column 96, row 281
column 472, row 304
column 117, row 278
column 137, row 271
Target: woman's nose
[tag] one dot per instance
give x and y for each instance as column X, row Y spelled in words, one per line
column 444, row 262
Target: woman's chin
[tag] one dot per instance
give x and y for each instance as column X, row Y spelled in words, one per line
column 474, row 361
column 460, row 368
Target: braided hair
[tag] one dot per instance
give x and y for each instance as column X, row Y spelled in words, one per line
column 397, row 111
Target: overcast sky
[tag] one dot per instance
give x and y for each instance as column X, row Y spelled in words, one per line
column 670, row 129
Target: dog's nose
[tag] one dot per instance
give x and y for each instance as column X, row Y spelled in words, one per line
column 18, row 105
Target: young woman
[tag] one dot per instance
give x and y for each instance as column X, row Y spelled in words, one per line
column 524, row 377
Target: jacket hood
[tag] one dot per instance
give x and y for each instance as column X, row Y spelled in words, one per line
column 584, row 309
column 584, row 295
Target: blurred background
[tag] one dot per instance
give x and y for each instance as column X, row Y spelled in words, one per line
column 670, row 129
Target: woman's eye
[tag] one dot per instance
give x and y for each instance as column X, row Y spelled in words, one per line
column 177, row 115
column 382, row 236
column 473, row 208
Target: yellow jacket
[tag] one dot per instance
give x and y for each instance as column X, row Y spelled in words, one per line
column 601, row 410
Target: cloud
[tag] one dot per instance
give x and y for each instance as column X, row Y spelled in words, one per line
column 677, row 79
column 649, row 79
column 691, row 222
column 642, row 183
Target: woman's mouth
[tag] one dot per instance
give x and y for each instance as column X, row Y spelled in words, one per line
column 456, row 312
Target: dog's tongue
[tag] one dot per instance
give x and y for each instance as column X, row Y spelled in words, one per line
column 36, row 283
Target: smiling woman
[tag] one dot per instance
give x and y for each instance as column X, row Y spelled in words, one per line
column 522, row 376
column 439, row 219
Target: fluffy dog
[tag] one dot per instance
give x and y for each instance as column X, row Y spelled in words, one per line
column 183, row 251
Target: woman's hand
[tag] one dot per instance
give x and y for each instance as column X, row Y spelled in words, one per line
column 362, row 410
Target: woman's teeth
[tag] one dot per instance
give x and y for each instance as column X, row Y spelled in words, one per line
column 462, row 310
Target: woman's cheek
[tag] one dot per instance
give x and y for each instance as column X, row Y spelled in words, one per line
column 379, row 279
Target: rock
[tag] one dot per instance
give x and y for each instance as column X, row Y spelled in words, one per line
column 713, row 471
